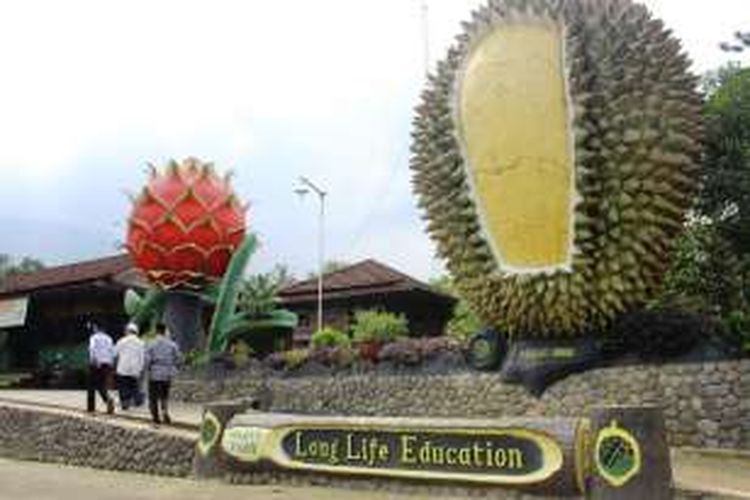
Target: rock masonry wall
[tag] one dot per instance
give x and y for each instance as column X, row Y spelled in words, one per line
column 49, row 436
column 705, row 404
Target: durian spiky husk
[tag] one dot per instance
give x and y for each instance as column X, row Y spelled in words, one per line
column 636, row 129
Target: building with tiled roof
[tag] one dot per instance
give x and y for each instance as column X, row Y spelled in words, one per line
column 46, row 310
column 117, row 268
column 367, row 285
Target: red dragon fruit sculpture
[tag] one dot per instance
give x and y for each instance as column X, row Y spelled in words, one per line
column 186, row 232
column 185, row 225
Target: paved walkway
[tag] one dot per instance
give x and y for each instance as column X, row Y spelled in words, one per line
column 725, row 473
column 37, row 481
column 721, row 473
column 181, row 413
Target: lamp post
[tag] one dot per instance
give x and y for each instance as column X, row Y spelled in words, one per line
column 306, row 187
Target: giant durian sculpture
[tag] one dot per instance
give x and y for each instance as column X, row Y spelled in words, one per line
column 555, row 154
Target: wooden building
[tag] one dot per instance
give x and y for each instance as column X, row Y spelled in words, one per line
column 367, row 285
column 47, row 309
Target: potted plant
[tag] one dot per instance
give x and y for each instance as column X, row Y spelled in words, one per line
column 373, row 329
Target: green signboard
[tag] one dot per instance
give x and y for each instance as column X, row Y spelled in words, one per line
column 617, row 452
column 501, row 456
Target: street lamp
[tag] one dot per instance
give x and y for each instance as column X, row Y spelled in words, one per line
column 306, row 187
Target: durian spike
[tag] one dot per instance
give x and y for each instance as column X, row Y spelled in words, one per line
column 191, row 163
column 130, row 195
column 228, row 177
column 173, row 168
column 207, row 171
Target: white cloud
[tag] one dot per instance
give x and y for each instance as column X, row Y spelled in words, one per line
column 702, row 26
column 74, row 72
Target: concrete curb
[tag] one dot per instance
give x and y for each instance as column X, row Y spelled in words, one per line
column 715, row 453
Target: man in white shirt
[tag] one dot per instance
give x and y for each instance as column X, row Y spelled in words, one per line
column 130, row 353
column 101, row 357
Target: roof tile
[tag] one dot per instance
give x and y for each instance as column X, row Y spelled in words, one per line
column 71, row 273
column 368, row 275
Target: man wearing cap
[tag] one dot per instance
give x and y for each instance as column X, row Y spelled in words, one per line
column 130, row 352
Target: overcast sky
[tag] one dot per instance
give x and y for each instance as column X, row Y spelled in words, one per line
column 90, row 91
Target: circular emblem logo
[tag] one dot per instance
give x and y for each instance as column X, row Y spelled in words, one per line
column 617, row 455
column 209, row 433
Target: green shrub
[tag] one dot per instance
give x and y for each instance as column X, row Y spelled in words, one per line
column 295, row 358
column 337, row 357
column 344, row 357
column 737, row 330
column 706, row 275
column 379, row 326
column 197, row 358
column 73, row 357
column 241, row 352
column 329, row 337
column 464, row 322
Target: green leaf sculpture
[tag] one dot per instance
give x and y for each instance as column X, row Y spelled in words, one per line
column 243, row 325
column 227, row 298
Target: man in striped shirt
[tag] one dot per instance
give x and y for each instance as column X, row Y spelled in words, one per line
column 162, row 359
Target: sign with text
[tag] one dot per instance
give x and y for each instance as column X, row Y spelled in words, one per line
column 617, row 452
column 13, row 311
column 499, row 456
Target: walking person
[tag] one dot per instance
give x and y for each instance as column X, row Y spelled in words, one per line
column 162, row 359
column 130, row 352
column 101, row 357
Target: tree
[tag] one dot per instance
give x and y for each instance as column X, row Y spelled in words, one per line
column 330, row 266
column 739, row 44
column 725, row 191
column 258, row 312
column 282, row 276
column 27, row 265
column 464, row 323
column 259, row 294
column 9, row 266
column 711, row 262
column 706, row 275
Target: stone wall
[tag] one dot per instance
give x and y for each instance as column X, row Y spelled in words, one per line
column 705, row 404
column 64, row 437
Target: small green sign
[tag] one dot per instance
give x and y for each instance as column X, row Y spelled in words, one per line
column 209, row 433
column 617, row 455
